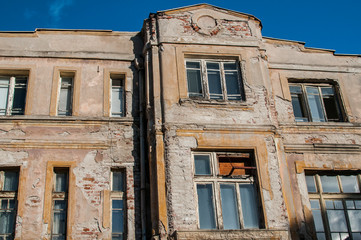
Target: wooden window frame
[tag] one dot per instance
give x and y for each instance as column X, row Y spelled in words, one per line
column 322, row 196
column 205, row 83
column 215, row 179
column 119, row 195
column 9, row 111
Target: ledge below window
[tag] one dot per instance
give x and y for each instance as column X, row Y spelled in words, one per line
column 212, row 103
column 232, row 234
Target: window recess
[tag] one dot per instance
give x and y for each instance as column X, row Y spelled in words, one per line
column 65, row 101
column 12, row 95
column 214, row 79
column 118, row 199
column 336, row 205
column 315, row 103
column 117, row 95
column 60, row 203
column 226, row 190
column 9, row 181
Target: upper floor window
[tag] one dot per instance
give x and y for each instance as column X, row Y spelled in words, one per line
column 212, row 79
column 315, row 103
column 226, row 190
column 12, row 95
column 65, row 95
column 117, row 95
column 336, row 205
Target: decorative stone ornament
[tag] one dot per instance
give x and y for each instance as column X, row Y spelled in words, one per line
column 205, row 24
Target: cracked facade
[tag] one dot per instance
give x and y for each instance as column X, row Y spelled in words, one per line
column 197, row 127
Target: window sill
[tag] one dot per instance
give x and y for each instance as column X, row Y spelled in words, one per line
column 233, row 234
column 32, row 118
column 213, row 103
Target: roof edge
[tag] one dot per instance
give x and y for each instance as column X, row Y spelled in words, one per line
column 209, row 5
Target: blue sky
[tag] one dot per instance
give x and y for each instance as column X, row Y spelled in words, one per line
column 321, row 24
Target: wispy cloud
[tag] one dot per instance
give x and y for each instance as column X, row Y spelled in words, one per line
column 56, row 7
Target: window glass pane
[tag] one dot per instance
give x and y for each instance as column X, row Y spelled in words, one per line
column 358, row 204
column 295, row 89
column 314, row 102
column 117, row 221
column 118, row 181
column 349, row 184
column 311, row 186
column 194, row 82
column 4, row 91
column 350, row 204
column 337, row 220
column 229, row 207
column 193, row 65
column 329, row 184
column 59, row 204
column 233, row 89
column 11, row 181
column 249, row 205
column 117, row 101
column 214, row 84
column 315, row 204
column 117, row 203
column 65, row 97
column 230, row 66
column 61, row 181
column 213, row 66
column 317, row 218
column 59, row 223
column 202, row 165
column 7, row 220
column 355, row 220
column 321, row 236
column 356, row 236
column 329, row 204
column 206, row 206
column 19, row 96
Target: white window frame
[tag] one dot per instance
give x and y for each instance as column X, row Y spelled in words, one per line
column 322, row 196
column 11, row 90
column 205, row 83
column 216, row 180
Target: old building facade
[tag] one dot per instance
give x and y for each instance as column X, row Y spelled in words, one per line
column 197, row 127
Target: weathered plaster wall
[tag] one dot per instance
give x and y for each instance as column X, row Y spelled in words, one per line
column 89, row 143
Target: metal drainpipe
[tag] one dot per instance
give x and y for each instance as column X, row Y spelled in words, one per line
column 142, row 154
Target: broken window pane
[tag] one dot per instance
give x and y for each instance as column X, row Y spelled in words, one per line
column 331, row 105
column 65, row 96
column 229, row 207
column 206, row 206
column 117, row 103
column 249, row 205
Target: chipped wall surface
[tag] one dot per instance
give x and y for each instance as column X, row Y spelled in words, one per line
column 89, row 143
column 163, row 126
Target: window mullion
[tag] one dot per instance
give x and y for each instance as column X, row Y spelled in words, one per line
column 239, row 203
column 10, row 95
column 205, row 79
column 223, row 81
column 307, row 107
column 326, row 225
column 322, row 104
column 218, row 205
